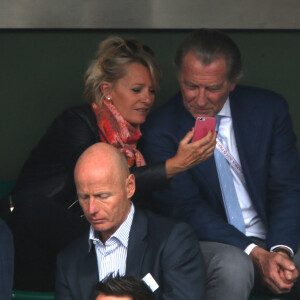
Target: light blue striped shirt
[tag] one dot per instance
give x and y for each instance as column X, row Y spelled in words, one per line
column 111, row 257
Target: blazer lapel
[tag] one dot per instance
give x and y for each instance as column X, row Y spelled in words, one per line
column 88, row 270
column 137, row 244
column 246, row 125
column 248, row 130
column 207, row 171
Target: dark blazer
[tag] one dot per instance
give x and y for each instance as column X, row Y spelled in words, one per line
column 269, row 159
column 6, row 262
column 167, row 250
column 44, row 220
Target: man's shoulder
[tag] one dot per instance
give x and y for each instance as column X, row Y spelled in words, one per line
column 162, row 226
column 245, row 98
column 251, row 92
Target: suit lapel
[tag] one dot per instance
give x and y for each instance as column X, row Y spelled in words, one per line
column 88, row 270
column 248, row 131
column 247, row 128
column 137, row 244
column 208, row 173
column 246, row 124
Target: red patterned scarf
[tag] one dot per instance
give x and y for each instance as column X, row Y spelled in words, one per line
column 115, row 130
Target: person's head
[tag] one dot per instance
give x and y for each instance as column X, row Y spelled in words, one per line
column 104, row 187
column 126, row 73
column 123, row 288
column 209, row 66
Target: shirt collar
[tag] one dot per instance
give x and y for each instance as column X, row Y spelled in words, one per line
column 225, row 111
column 122, row 233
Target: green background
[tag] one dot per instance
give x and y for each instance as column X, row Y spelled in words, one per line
column 42, row 74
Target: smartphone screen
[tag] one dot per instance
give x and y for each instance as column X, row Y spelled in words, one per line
column 202, row 126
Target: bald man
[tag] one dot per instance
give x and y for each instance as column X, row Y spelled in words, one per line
column 123, row 239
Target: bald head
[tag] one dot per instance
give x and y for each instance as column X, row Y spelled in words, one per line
column 102, row 157
column 104, row 188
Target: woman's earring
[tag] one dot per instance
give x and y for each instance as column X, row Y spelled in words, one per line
column 108, row 98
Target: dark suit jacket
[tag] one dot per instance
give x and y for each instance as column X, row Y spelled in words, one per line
column 269, row 159
column 6, row 262
column 168, row 251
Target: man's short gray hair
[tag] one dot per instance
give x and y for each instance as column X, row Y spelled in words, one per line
column 209, row 45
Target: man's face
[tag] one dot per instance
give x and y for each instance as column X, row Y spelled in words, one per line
column 103, row 297
column 205, row 89
column 104, row 197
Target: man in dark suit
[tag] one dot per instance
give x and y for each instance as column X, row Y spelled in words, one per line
column 124, row 239
column 255, row 227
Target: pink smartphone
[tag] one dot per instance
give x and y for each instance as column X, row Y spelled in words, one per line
column 202, row 126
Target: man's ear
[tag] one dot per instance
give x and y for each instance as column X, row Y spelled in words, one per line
column 106, row 88
column 130, row 185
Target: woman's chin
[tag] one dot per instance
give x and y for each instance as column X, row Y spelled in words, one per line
column 137, row 122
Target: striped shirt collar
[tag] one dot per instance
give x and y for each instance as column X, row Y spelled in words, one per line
column 122, row 233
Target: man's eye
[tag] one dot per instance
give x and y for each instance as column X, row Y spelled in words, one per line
column 214, row 88
column 190, row 85
column 102, row 196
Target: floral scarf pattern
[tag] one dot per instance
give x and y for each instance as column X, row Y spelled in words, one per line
column 115, row 130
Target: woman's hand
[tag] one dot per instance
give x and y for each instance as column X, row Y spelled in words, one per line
column 190, row 154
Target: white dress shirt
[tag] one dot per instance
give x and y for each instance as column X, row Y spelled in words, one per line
column 111, row 257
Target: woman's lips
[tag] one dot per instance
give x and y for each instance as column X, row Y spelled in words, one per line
column 142, row 110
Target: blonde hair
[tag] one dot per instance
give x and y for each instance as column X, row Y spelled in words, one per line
column 112, row 58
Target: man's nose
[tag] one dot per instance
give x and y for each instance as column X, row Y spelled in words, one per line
column 201, row 97
column 92, row 206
